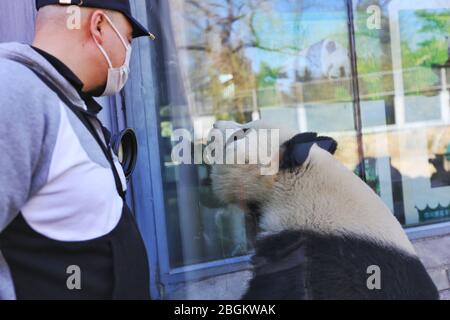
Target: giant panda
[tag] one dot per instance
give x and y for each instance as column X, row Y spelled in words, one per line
column 326, row 59
column 322, row 232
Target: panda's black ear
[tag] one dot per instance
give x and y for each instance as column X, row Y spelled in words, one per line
column 327, row 143
column 296, row 151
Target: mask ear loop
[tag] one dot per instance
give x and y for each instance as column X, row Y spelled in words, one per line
column 127, row 47
column 103, row 52
column 118, row 33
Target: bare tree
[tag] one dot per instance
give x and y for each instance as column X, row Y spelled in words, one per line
column 223, row 30
column 224, row 16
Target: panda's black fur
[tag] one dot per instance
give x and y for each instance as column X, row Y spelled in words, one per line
column 302, row 264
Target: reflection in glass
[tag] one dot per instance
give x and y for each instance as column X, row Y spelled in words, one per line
column 284, row 61
column 288, row 62
column 403, row 80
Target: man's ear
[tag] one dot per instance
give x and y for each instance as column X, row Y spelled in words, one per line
column 295, row 151
column 97, row 21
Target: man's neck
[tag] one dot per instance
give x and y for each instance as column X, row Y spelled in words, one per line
column 70, row 60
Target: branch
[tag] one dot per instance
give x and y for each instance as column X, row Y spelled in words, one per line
column 195, row 22
column 196, row 48
column 204, row 9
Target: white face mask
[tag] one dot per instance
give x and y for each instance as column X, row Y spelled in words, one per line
column 117, row 77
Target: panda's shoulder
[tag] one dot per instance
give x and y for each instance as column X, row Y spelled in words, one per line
column 304, row 264
column 341, row 265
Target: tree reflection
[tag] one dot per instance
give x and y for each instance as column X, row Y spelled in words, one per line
column 220, row 32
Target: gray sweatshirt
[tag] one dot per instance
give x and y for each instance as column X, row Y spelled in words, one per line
column 52, row 171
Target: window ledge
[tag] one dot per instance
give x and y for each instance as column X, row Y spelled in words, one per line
column 428, row 231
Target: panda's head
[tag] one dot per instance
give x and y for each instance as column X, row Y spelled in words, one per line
column 278, row 161
column 335, row 60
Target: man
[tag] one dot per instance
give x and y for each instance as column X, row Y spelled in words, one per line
column 65, row 229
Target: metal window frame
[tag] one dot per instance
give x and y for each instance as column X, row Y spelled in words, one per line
column 139, row 107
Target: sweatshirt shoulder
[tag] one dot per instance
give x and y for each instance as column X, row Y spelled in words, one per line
column 23, row 94
column 30, row 122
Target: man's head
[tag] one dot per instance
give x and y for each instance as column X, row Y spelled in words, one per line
column 98, row 43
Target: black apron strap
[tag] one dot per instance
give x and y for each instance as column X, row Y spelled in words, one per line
column 87, row 119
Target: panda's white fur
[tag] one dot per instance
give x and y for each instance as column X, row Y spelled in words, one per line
column 326, row 198
column 320, row 225
column 333, row 200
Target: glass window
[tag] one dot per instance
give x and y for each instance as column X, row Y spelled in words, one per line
column 379, row 86
column 284, row 61
column 403, row 73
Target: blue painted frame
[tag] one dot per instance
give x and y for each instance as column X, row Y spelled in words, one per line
column 147, row 198
column 147, row 186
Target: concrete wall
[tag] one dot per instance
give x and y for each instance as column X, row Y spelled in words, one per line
column 225, row 287
column 434, row 253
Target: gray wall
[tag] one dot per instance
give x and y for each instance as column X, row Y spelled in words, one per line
column 17, row 20
column 435, row 255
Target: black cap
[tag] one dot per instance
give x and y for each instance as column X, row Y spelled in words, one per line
column 122, row 6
